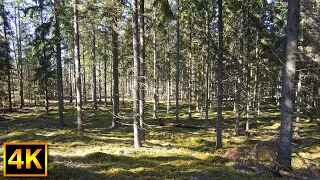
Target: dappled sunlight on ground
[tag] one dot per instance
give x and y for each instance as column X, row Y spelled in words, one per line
column 168, row 152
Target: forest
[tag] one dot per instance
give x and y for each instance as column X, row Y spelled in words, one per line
column 164, row 89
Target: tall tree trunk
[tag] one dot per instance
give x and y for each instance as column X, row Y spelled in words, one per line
column 18, row 32
column 155, row 83
column 78, row 66
column 177, row 62
column 115, row 74
column 220, row 59
column 4, row 19
column 74, row 76
column 70, row 82
column 142, row 68
column 285, row 140
column 248, row 69
column 239, row 83
column 299, row 99
column 45, row 61
column 59, row 66
column 136, row 63
column 46, row 93
column 105, row 76
column 84, row 77
column 317, row 97
column 207, row 72
column 190, row 70
column 94, row 71
column 256, row 81
column 99, row 82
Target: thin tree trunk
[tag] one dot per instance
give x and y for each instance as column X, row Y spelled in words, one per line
column 78, row 66
column 99, row 82
column 45, row 61
column 142, row 68
column 59, row 66
column 115, row 74
column 190, row 71
column 299, row 99
column 248, row 94
column 105, row 76
column 136, row 112
column 70, row 82
column 256, row 81
column 207, row 72
column 7, row 58
column 84, row 77
column 239, row 83
column 122, row 89
column 94, row 71
column 177, row 62
column 285, row 140
column 18, row 32
column 220, row 96
column 155, row 83
column 74, row 79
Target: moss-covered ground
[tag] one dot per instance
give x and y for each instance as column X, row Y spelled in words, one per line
column 168, row 152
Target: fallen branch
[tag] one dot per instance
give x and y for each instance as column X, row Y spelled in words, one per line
column 184, row 126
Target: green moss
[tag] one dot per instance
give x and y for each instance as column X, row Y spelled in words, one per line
column 168, row 153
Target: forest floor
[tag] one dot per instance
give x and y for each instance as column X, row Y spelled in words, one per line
column 169, row 152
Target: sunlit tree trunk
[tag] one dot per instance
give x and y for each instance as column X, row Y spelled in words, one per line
column 105, row 76
column 155, row 83
column 190, row 71
column 299, row 100
column 70, row 82
column 142, row 67
column 136, row 64
column 78, row 66
column 177, row 62
column 207, row 71
column 285, row 140
column 84, row 77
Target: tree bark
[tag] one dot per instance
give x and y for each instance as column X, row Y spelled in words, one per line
column 84, row 77
column 299, row 99
column 136, row 63
column 78, row 66
column 18, row 32
column 285, row 141
column 115, row 75
column 105, row 75
column 7, row 57
column 59, row 66
column 94, row 71
column 155, row 83
column 70, row 82
column 207, row 72
column 190, row 70
column 142, row 68
column 220, row 96
column 177, row 62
